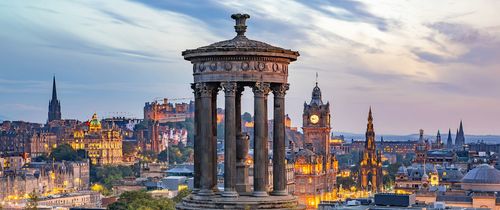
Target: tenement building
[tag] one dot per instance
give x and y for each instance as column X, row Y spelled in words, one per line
column 43, row 178
column 232, row 65
column 315, row 166
column 370, row 167
column 103, row 145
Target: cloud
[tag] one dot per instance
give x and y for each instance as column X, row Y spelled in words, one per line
column 20, row 107
column 410, row 56
column 108, row 28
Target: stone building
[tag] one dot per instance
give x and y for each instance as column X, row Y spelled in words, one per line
column 44, row 178
column 168, row 111
column 397, row 147
column 421, row 149
column 42, row 143
column 439, row 143
column 478, row 189
column 16, row 137
column 409, row 179
column 315, row 166
column 370, row 169
column 103, row 145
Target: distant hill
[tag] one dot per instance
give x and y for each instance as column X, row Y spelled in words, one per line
column 491, row 139
column 2, row 118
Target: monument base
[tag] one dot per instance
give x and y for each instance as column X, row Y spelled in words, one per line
column 244, row 201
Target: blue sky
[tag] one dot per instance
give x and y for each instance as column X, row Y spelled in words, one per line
column 419, row 64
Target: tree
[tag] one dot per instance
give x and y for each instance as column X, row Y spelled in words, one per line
column 220, row 130
column 246, row 117
column 176, row 154
column 148, row 156
column 109, row 175
column 65, row 152
column 132, row 200
column 163, row 156
column 32, row 201
column 188, row 124
column 182, row 194
column 41, row 158
column 346, row 182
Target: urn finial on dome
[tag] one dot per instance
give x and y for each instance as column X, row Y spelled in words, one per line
column 240, row 26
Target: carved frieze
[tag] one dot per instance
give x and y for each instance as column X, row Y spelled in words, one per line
column 240, row 66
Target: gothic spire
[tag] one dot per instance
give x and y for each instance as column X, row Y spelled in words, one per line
column 54, row 91
column 370, row 118
column 54, row 104
column 460, row 139
column 370, row 132
column 449, row 141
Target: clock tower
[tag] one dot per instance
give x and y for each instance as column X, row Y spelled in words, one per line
column 316, row 124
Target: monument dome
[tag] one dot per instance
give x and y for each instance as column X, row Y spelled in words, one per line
column 483, row 178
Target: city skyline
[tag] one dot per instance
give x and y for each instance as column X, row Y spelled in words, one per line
column 100, row 70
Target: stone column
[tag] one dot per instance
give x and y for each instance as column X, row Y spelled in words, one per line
column 230, row 89
column 207, row 164
column 197, row 142
column 279, row 153
column 237, row 108
column 242, row 146
column 261, row 91
column 214, row 137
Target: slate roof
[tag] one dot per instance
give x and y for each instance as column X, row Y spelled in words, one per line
column 484, row 174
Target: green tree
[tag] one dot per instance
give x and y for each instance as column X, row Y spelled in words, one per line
column 188, row 124
column 64, row 152
column 346, row 182
column 220, row 130
column 393, row 168
column 176, row 154
column 163, row 156
column 132, row 200
column 148, row 156
column 41, row 158
column 109, row 175
column 182, row 194
column 33, row 199
column 246, row 117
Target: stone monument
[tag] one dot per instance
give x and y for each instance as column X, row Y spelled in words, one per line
column 232, row 65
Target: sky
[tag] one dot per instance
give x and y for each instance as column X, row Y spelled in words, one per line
column 418, row 64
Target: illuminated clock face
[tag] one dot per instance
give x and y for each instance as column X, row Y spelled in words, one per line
column 314, row 119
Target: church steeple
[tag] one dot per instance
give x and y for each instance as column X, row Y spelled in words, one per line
column 438, row 136
column 54, row 90
column 449, row 141
column 54, row 104
column 460, row 139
